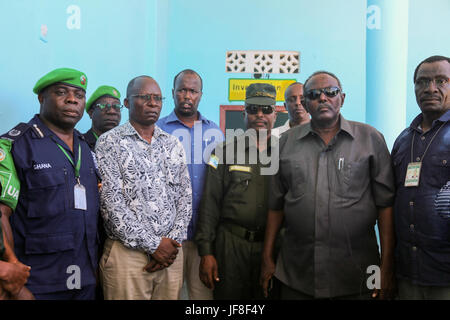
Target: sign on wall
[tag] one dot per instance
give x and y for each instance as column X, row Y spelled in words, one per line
column 237, row 87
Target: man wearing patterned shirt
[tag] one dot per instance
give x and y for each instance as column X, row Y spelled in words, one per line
column 146, row 201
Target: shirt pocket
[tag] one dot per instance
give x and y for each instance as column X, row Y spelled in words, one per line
column 239, row 182
column 296, row 178
column 353, row 179
column 440, row 169
column 51, row 243
column 46, row 192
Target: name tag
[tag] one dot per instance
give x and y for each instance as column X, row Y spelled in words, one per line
column 413, row 174
column 240, row 168
column 79, row 192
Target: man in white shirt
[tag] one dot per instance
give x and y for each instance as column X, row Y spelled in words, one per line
column 146, row 201
column 296, row 112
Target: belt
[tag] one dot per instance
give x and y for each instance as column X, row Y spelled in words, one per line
column 252, row 236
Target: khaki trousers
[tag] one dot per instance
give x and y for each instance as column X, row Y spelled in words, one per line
column 196, row 290
column 123, row 277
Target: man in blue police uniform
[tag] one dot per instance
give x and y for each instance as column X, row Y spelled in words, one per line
column 54, row 218
column 198, row 136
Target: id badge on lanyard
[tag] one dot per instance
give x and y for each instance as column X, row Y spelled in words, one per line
column 413, row 174
column 79, row 196
column 413, row 170
column 79, row 191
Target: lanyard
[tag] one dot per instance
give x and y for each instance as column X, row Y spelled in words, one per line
column 78, row 165
column 95, row 135
column 426, row 149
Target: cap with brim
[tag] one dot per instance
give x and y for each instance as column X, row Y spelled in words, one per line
column 100, row 92
column 62, row 75
column 261, row 93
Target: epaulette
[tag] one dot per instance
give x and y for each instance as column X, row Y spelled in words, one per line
column 16, row 132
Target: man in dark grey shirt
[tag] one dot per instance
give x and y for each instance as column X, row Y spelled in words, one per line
column 334, row 183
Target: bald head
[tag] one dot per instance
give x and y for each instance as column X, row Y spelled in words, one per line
column 293, row 96
column 291, row 87
column 144, row 101
column 135, row 83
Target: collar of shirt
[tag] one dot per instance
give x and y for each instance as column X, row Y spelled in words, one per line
column 306, row 129
column 172, row 117
column 251, row 143
column 49, row 133
column 285, row 127
column 416, row 123
column 129, row 130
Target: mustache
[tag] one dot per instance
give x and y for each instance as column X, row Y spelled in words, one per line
column 187, row 102
column 115, row 119
column 432, row 96
column 260, row 121
column 324, row 106
column 70, row 109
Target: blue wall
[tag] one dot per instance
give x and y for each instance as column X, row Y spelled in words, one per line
column 429, row 25
column 116, row 41
column 328, row 34
column 120, row 39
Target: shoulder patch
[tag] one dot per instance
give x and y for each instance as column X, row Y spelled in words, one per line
column 16, row 132
column 240, row 168
column 213, row 161
column 8, row 175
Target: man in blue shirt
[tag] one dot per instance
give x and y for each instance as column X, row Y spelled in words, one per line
column 421, row 159
column 54, row 216
column 199, row 137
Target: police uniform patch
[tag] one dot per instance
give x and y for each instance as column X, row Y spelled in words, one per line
column 240, row 168
column 14, row 133
column 2, row 154
column 213, row 161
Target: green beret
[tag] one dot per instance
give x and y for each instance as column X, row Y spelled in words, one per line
column 64, row 75
column 100, row 92
column 261, row 93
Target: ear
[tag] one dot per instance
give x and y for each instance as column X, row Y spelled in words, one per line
column 343, row 99
column 90, row 112
column 125, row 103
column 285, row 106
column 41, row 97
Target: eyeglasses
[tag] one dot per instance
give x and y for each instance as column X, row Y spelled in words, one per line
column 330, row 92
column 106, row 107
column 253, row 109
column 148, row 97
column 424, row 82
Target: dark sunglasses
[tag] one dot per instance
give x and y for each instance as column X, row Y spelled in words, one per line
column 107, row 107
column 330, row 92
column 253, row 109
